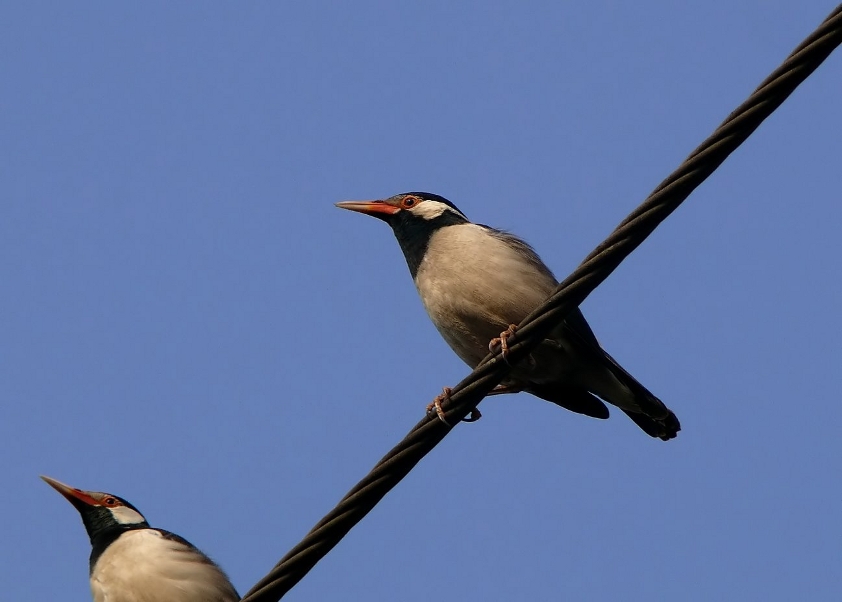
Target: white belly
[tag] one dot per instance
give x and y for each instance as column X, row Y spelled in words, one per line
column 143, row 566
column 477, row 288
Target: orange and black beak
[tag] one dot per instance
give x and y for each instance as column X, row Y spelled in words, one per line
column 379, row 209
column 77, row 497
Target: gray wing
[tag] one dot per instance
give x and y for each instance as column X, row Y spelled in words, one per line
column 522, row 247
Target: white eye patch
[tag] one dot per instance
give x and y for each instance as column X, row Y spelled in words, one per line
column 432, row 209
column 126, row 516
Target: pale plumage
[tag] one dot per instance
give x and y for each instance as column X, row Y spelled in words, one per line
column 470, row 311
column 133, row 562
column 475, row 281
column 150, row 565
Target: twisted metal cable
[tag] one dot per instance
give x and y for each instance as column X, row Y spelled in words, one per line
column 596, row 267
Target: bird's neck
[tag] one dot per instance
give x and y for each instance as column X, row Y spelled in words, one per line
column 414, row 247
column 414, row 236
column 103, row 538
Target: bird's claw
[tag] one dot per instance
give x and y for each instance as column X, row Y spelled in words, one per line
column 503, row 341
column 436, row 403
column 445, row 395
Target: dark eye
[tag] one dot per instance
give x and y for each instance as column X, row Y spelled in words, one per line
column 409, row 202
column 110, row 501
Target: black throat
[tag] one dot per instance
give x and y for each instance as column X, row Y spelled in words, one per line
column 103, row 529
column 104, row 538
column 414, row 233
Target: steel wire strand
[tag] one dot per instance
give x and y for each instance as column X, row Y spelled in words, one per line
column 395, row 465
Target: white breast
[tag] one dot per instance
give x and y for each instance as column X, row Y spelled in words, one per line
column 143, row 566
column 473, row 285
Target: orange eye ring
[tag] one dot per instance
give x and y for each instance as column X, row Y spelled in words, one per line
column 409, row 202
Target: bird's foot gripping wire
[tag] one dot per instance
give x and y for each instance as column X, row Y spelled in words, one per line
column 445, row 395
column 503, row 341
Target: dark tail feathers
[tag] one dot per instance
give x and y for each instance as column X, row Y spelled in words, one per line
column 583, row 402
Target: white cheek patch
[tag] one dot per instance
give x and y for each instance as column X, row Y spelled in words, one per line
column 430, row 209
column 126, row 516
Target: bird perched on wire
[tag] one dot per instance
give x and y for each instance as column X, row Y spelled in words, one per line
column 477, row 283
column 132, row 562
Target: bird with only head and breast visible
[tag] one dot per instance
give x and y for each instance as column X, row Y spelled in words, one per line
column 133, row 562
column 477, row 282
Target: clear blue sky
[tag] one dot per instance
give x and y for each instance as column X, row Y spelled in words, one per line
column 187, row 321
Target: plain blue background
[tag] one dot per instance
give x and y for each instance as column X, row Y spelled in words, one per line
column 188, row 322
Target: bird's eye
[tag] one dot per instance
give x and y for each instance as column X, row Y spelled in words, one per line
column 109, row 501
column 409, row 202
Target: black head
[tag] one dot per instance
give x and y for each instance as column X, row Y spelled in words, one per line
column 102, row 513
column 414, row 217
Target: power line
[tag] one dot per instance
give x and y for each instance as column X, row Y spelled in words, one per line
column 465, row 396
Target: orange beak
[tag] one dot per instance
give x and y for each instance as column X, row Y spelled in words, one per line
column 379, row 209
column 73, row 495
